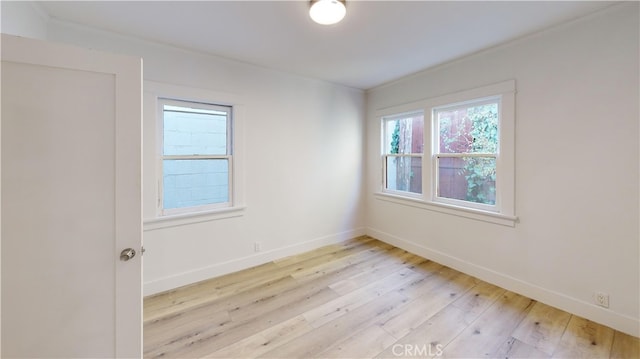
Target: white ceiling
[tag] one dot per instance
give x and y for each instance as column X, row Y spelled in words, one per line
column 378, row 41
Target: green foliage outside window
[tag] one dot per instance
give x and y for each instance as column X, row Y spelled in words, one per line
column 477, row 132
column 395, row 139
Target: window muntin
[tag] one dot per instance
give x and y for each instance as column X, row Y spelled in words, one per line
column 403, row 147
column 196, row 163
column 465, row 151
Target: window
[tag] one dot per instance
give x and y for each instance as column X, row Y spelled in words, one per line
column 468, row 168
column 196, row 158
column 403, row 149
column 465, row 149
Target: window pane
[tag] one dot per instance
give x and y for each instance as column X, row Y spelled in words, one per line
column 469, row 129
column 189, row 183
column 190, row 131
column 404, row 174
column 404, row 135
column 470, row 179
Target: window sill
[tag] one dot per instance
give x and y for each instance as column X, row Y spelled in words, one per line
column 191, row 218
column 480, row 215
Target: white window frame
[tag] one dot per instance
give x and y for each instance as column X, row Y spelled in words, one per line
column 156, row 92
column 503, row 212
column 228, row 156
column 386, row 154
column 436, row 155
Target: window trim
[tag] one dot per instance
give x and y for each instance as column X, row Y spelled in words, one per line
column 504, row 212
column 386, row 154
column 154, row 92
column 436, row 155
column 161, row 102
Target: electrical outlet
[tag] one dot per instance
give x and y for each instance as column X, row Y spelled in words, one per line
column 601, row 299
column 257, row 246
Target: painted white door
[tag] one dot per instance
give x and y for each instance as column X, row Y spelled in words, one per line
column 71, row 201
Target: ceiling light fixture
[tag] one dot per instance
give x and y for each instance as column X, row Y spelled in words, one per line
column 327, row 12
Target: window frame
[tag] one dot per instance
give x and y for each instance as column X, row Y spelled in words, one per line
column 436, row 155
column 503, row 212
column 386, row 154
column 162, row 101
column 152, row 153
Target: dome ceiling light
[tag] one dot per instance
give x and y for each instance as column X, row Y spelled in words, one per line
column 327, row 12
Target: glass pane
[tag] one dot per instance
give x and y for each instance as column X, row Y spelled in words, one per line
column 404, row 174
column 189, row 183
column 469, row 129
column 404, row 135
column 470, row 179
column 189, row 131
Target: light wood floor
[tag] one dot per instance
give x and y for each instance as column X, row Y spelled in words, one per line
column 365, row 299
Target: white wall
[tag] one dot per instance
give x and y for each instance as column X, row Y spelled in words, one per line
column 303, row 151
column 577, row 167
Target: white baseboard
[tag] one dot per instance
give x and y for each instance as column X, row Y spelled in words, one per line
column 234, row 265
column 572, row 305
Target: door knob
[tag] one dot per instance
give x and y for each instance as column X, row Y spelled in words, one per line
column 127, row 254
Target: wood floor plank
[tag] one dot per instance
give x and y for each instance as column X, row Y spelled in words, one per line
column 514, row 348
column 393, row 255
column 292, row 297
column 543, row 327
column 224, row 305
column 625, row 346
column 364, row 344
column 317, row 268
column 212, row 339
column 443, row 327
column 307, row 264
column 326, row 250
column 262, row 342
column 354, row 299
column 250, row 295
column 312, row 344
column 424, row 307
column 435, row 276
column 264, row 304
column 388, row 264
column 360, row 299
column 584, row 339
column 181, row 325
column 485, row 336
column 195, row 295
column 343, row 268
